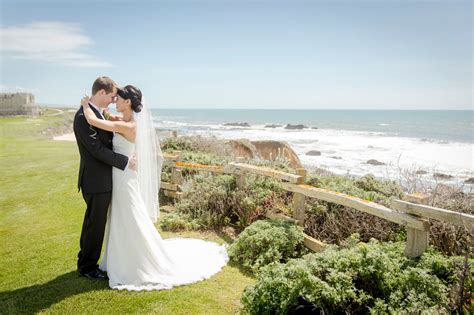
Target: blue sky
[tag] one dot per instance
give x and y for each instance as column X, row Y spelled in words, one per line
column 244, row 54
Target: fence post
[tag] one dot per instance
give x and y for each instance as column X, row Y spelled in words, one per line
column 417, row 241
column 177, row 174
column 299, row 199
column 240, row 175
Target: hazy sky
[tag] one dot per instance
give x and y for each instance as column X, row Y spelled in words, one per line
column 242, row 54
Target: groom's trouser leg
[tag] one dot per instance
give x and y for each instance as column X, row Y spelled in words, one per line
column 93, row 229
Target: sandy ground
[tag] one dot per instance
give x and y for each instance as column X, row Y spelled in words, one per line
column 65, row 137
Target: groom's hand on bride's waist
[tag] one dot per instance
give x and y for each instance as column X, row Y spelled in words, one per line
column 132, row 163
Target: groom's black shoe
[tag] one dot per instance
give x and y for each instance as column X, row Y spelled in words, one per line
column 95, row 274
column 103, row 273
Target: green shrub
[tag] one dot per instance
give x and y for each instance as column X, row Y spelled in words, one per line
column 204, row 158
column 252, row 201
column 333, row 223
column 364, row 278
column 446, row 237
column 179, row 144
column 367, row 187
column 383, row 191
column 176, row 222
column 206, row 199
column 267, row 241
column 215, row 201
column 279, row 163
column 200, row 144
column 166, row 173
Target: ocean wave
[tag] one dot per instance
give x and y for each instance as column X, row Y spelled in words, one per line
column 355, row 148
column 171, row 122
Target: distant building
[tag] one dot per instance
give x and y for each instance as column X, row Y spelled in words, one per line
column 18, row 104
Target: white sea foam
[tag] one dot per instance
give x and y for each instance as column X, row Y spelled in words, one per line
column 347, row 152
column 173, row 123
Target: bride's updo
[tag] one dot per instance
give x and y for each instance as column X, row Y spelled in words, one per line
column 132, row 93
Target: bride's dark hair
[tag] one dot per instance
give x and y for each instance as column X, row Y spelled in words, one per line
column 132, row 93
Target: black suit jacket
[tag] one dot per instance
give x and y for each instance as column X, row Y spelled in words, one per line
column 97, row 157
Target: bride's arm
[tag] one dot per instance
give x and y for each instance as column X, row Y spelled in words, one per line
column 115, row 126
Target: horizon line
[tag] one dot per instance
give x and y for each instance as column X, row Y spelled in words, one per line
column 246, row 108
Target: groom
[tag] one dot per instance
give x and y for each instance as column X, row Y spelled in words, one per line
column 95, row 176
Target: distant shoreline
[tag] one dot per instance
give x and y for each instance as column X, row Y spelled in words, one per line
column 336, row 151
column 253, row 108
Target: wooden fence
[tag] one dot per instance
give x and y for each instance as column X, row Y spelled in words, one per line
column 412, row 213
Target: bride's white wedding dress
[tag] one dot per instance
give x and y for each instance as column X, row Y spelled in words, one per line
column 136, row 257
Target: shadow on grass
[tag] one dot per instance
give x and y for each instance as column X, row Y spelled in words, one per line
column 41, row 296
column 228, row 239
column 243, row 270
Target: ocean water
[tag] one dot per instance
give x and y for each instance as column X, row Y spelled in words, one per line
column 433, row 141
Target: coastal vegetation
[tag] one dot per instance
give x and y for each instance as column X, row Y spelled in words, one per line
column 205, row 196
column 412, row 285
column 359, row 278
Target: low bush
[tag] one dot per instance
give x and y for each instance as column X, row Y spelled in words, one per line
column 267, row 241
column 196, row 144
column 206, row 199
column 204, row 158
column 448, row 238
column 279, row 163
column 252, row 201
column 176, row 222
column 362, row 278
column 367, row 187
column 214, row 200
column 333, row 223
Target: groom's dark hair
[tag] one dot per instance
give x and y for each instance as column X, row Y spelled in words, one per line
column 103, row 83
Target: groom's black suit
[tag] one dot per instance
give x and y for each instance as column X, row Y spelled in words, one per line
column 95, row 181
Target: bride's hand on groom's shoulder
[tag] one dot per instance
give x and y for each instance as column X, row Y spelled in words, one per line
column 85, row 101
column 111, row 117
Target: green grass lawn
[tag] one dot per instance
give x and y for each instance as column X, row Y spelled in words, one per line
column 41, row 215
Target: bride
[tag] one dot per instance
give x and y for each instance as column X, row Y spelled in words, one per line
column 136, row 257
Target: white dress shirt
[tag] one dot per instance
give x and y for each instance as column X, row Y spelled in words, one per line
column 98, row 109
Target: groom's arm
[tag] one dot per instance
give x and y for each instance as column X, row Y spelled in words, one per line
column 87, row 136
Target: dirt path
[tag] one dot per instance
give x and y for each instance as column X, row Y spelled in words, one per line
column 57, row 113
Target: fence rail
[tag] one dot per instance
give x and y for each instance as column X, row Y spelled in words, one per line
column 412, row 214
column 358, row 204
column 265, row 171
column 453, row 217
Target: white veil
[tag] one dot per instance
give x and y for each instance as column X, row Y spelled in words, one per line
column 149, row 160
